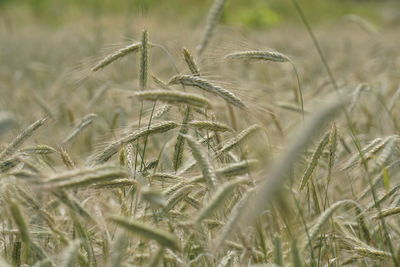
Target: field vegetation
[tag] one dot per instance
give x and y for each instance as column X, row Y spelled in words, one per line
column 237, row 134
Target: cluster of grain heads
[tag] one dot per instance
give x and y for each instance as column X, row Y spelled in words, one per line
column 326, row 215
column 195, row 81
column 188, row 189
column 378, row 150
column 278, row 175
column 228, row 145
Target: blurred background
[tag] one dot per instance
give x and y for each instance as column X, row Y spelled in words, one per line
column 245, row 13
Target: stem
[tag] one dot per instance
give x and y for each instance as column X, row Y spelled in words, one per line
column 300, row 92
column 147, row 137
column 137, row 143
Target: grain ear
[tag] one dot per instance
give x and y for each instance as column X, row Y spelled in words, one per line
column 189, row 80
column 212, row 20
column 132, row 48
column 20, row 139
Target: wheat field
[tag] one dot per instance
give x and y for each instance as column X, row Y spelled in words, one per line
column 200, row 146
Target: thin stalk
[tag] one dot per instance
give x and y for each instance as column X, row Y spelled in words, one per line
column 299, row 94
column 147, row 137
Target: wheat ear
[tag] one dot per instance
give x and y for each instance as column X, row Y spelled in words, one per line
column 314, row 161
column 113, row 147
column 116, row 55
column 218, row 199
column 212, row 20
column 190, row 80
column 85, row 122
column 203, row 160
column 180, row 140
column 162, row 237
column 190, row 62
column 173, row 97
column 19, row 140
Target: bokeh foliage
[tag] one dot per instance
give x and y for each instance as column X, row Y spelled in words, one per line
column 249, row 13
